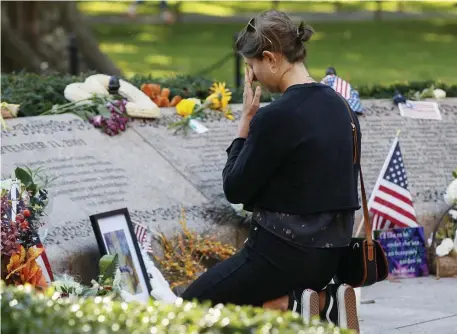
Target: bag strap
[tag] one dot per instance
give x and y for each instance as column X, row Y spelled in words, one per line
column 356, row 158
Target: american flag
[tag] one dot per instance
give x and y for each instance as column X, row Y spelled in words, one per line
column 391, row 203
column 141, row 232
column 345, row 89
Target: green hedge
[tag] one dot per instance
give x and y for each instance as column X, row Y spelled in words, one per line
column 24, row 311
column 36, row 93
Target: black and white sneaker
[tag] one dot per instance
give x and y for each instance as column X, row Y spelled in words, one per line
column 340, row 307
column 306, row 304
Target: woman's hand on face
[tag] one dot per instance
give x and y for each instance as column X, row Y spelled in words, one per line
column 251, row 103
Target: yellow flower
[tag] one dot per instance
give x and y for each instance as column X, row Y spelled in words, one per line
column 229, row 115
column 186, row 106
column 220, row 96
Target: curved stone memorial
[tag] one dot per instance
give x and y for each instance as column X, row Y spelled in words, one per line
column 154, row 173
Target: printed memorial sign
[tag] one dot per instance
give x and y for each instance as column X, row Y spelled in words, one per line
column 405, row 251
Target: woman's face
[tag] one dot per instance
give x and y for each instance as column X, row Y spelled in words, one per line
column 265, row 72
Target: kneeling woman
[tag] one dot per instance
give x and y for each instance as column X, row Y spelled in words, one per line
column 292, row 163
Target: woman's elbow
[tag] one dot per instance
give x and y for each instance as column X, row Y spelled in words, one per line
column 233, row 194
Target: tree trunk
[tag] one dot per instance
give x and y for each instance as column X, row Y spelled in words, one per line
column 16, row 53
column 86, row 42
column 35, row 37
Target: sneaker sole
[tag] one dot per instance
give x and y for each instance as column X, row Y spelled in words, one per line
column 309, row 305
column 347, row 308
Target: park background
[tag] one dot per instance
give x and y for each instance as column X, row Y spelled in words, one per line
column 368, row 42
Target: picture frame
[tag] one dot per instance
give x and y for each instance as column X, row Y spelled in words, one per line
column 114, row 233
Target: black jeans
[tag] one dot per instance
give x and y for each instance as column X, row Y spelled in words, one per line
column 266, row 268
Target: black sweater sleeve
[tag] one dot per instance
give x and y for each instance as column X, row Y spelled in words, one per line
column 252, row 161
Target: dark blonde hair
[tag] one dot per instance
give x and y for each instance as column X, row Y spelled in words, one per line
column 275, row 32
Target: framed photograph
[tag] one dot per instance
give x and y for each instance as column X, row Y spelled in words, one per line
column 115, row 235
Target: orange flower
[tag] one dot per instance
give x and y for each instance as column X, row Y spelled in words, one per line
column 24, row 263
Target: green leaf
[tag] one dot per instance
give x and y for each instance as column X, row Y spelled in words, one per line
column 33, row 188
column 25, row 177
column 89, row 292
column 116, row 109
column 108, row 265
column 103, row 111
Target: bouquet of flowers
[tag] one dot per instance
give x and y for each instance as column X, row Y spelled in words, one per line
column 447, row 234
column 23, row 201
column 443, row 244
column 109, row 114
column 108, row 282
column 193, row 109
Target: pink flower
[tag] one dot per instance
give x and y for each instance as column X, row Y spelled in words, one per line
column 97, row 120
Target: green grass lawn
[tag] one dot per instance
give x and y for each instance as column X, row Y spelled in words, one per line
column 363, row 52
column 227, row 8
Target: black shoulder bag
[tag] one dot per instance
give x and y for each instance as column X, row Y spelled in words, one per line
column 363, row 262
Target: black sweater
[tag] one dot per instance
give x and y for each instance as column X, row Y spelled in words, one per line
column 298, row 157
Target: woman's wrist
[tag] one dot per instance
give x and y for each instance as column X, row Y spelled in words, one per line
column 243, row 127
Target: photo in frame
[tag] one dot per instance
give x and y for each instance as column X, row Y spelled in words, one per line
column 114, row 233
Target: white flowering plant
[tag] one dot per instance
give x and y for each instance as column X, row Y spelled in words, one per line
column 108, row 282
column 447, row 234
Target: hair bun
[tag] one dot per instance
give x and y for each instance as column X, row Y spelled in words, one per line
column 304, row 32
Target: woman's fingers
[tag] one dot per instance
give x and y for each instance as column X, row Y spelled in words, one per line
column 247, row 94
column 255, row 104
column 258, row 93
column 250, row 75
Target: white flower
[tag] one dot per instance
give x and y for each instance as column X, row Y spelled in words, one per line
column 198, row 102
column 79, row 290
column 448, row 244
column 6, row 184
column 67, row 283
column 95, row 284
column 441, row 251
column 453, row 214
column 450, row 197
column 439, row 93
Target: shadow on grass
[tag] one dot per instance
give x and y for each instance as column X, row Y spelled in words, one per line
column 363, row 52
